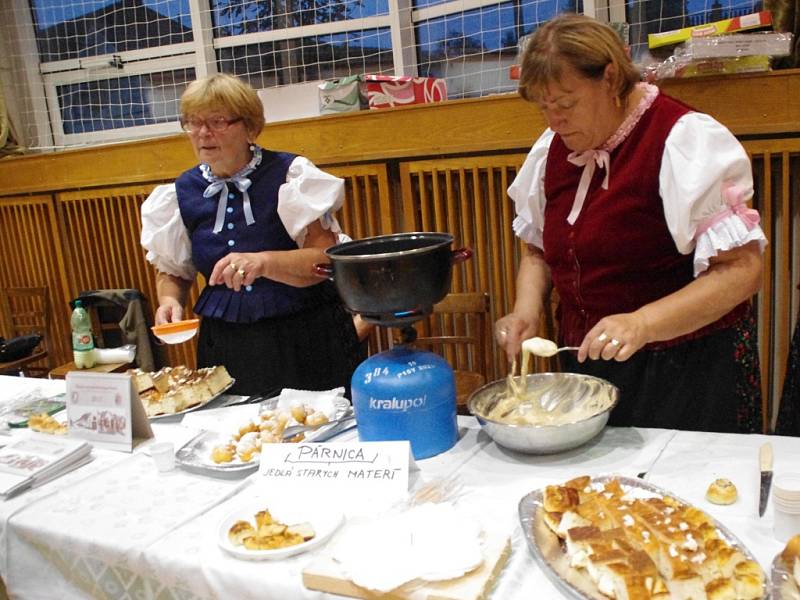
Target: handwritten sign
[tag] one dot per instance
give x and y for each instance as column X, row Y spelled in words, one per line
column 377, row 470
column 105, row 409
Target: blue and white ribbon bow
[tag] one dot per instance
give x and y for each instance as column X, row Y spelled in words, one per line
column 221, row 186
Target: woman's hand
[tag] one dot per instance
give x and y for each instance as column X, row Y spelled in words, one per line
column 237, row 269
column 511, row 330
column 615, row 337
column 172, row 293
column 169, row 311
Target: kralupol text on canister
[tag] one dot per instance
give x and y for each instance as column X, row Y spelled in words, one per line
column 406, row 394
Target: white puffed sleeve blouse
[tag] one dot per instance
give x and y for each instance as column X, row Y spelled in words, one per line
column 702, row 167
column 309, row 194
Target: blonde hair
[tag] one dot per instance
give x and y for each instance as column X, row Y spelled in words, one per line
column 227, row 93
column 582, row 43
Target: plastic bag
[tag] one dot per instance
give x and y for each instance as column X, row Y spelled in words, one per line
column 19, row 347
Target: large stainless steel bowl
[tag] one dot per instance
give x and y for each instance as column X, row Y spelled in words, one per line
column 569, row 397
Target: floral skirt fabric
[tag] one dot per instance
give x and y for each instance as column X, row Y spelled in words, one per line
column 712, row 383
column 788, row 422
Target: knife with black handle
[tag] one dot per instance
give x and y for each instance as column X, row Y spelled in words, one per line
column 765, row 466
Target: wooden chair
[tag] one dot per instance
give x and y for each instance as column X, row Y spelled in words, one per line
column 458, row 329
column 25, row 312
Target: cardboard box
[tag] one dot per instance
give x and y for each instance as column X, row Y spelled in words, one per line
column 723, row 66
column 342, row 95
column 740, row 44
column 751, row 21
column 384, row 91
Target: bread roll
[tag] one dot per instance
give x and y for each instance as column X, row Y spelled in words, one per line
column 722, row 491
column 240, row 531
column 791, row 557
column 748, row 579
column 559, row 499
column 305, row 530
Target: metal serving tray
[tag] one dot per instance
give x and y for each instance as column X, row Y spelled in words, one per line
column 195, row 407
column 195, row 455
column 551, row 556
column 784, row 586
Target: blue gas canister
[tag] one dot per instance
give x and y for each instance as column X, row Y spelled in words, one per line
column 406, row 394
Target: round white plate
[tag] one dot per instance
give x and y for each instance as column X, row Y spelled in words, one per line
column 291, row 511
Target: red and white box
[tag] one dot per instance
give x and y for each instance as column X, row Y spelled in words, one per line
column 386, row 91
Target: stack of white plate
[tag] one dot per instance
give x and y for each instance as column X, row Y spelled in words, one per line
column 786, row 502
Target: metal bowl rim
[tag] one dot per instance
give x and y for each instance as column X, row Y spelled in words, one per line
column 480, row 417
column 445, row 240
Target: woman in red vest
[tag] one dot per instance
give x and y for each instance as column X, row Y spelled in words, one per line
column 633, row 207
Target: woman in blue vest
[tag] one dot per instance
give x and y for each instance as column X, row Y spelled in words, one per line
column 633, row 208
column 253, row 222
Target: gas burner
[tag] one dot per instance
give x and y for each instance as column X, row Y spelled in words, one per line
column 398, row 319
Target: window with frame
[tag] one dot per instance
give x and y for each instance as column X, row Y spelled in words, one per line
column 115, row 69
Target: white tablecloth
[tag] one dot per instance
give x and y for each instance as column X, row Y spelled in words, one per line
column 117, row 528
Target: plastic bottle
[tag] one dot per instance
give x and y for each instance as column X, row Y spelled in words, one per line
column 82, row 340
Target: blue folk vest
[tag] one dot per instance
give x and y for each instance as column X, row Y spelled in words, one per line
column 265, row 298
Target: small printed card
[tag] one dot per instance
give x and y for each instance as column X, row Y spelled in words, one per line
column 105, row 409
column 374, row 470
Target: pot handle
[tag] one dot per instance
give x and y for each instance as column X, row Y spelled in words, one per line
column 323, row 270
column 460, row 255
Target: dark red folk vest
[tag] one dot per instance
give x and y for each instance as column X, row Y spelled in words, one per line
column 619, row 255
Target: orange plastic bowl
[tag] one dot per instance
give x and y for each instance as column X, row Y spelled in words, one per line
column 177, row 332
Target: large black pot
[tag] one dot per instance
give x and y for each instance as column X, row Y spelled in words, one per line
column 394, row 278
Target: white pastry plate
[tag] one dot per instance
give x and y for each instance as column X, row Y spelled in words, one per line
column 324, row 518
column 784, row 587
column 548, row 550
column 196, row 406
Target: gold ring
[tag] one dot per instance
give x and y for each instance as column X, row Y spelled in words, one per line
column 615, row 342
column 602, row 337
column 241, row 272
column 232, row 266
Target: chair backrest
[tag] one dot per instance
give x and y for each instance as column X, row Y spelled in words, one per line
column 458, row 329
column 105, row 324
column 25, row 311
column 108, row 308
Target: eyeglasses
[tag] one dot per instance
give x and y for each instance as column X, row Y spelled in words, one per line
column 216, row 124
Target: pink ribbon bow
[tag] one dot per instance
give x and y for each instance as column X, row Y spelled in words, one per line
column 734, row 196
column 589, row 160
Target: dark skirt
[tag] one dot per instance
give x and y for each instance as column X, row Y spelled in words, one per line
column 788, row 422
column 313, row 350
column 712, row 383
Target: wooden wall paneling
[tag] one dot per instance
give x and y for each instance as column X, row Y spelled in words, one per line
column 783, row 276
column 496, row 251
column 775, row 164
column 467, row 197
column 765, row 307
column 466, row 225
column 481, row 230
column 103, row 250
column 367, row 210
column 29, row 241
